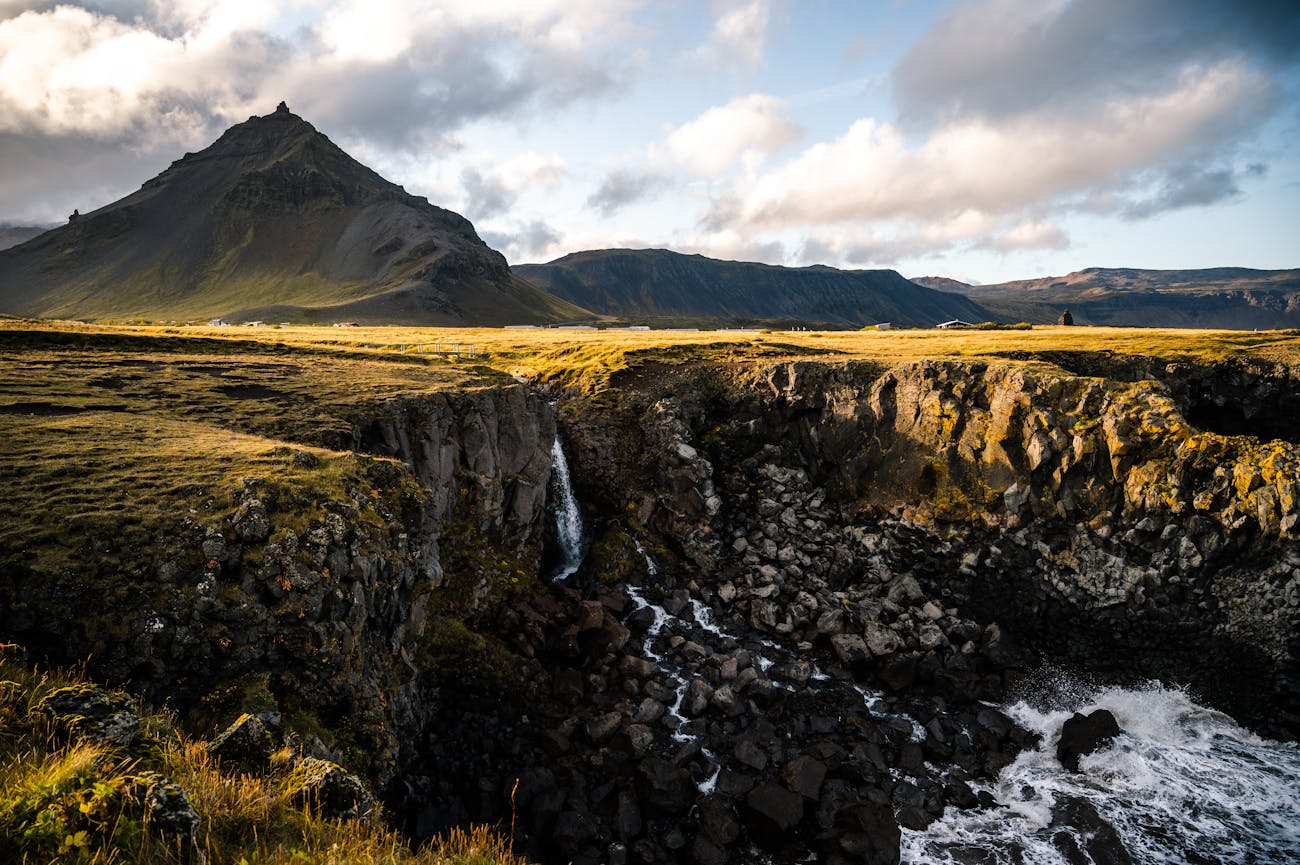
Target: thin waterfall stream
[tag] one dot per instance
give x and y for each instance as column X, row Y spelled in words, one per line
column 568, row 517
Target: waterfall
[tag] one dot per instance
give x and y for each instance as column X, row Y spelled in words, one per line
column 568, row 519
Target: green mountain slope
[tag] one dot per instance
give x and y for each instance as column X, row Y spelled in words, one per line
column 1221, row 297
column 271, row 221
column 657, row 283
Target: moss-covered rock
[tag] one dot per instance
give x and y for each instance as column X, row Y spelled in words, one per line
column 329, row 790
column 93, row 713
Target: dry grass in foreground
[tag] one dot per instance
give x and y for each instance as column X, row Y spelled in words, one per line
column 70, row 802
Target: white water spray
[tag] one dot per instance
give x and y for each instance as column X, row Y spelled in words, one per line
column 1181, row 784
column 568, row 519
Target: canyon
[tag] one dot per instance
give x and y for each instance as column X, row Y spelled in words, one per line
column 807, row 584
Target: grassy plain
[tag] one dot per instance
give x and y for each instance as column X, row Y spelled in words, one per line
column 118, row 426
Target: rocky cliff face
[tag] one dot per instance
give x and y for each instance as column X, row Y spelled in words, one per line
column 317, row 613
column 802, row 580
column 1084, row 515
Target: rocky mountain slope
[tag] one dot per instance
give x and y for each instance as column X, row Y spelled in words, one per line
column 273, row 221
column 659, row 284
column 1222, row 297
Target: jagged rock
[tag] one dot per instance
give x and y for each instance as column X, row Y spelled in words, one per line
column 851, row 649
column 1082, row 735
column 772, row 811
column 600, row 728
column 329, row 790
column 627, row 819
column 92, row 713
column 246, row 743
column 168, row 810
column 804, row 775
column 665, row 786
column 880, row 640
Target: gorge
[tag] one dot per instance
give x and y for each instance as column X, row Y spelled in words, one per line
column 809, row 607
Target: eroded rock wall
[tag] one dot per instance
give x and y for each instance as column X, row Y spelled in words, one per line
column 1084, row 515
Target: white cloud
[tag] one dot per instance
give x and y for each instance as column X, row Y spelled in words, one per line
column 712, row 142
column 739, row 33
column 1029, row 234
column 873, row 172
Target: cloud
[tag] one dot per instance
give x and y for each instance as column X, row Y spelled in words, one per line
column 494, row 192
column 1188, row 186
column 1028, row 234
column 712, row 142
column 739, row 34
column 154, row 79
column 874, row 172
column 1000, row 59
column 534, row 240
column 398, row 70
column 624, row 186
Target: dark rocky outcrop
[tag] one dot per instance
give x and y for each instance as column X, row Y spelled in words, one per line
column 1082, row 735
column 845, row 565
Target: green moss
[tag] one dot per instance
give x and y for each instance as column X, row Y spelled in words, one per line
column 454, row 653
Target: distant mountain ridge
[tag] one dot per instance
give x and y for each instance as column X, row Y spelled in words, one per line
column 272, row 221
column 659, row 283
column 12, row 234
column 1220, row 297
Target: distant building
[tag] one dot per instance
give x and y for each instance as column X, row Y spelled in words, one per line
column 345, row 324
column 1066, row 318
column 884, row 325
column 522, row 327
column 955, row 324
column 218, row 322
column 254, row 323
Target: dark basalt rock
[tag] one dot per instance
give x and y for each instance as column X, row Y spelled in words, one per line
column 246, row 743
column 1081, row 735
column 92, row 713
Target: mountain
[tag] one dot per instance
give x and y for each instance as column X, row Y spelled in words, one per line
column 12, row 235
column 1222, row 297
column 659, row 284
column 941, row 283
column 273, row 221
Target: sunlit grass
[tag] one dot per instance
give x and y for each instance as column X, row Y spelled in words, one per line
column 65, row 801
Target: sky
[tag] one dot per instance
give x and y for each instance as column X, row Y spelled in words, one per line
column 983, row 140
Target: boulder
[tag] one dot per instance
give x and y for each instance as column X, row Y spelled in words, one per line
column 329, row 790
column 851, row 649
column 246, row 744
column 804, row 775
column 92, row 713
column 772, row 811
column 169, row 812
column 881, row 640
column 1082, row 734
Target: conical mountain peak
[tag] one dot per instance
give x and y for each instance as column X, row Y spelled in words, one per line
column 271, row 220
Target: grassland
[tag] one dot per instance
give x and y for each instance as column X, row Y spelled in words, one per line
column 113, row 429
column 71, row 802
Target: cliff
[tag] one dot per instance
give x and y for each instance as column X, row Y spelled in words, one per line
column 1084, row 515
column 806, row 583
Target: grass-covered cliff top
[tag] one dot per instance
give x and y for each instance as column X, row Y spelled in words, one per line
column 110, row 429
column 69, row 799
column 589, row 356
